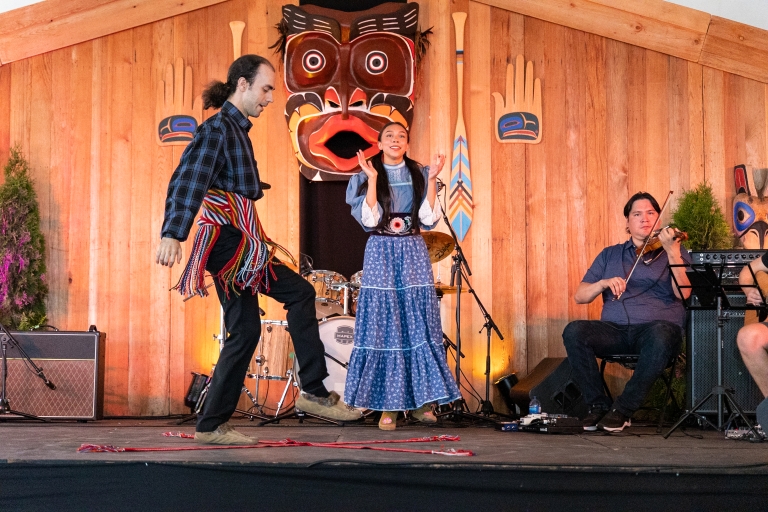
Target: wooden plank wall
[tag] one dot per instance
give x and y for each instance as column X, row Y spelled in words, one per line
column 617, row 119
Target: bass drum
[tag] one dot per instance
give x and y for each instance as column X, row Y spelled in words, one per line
column 338, row 336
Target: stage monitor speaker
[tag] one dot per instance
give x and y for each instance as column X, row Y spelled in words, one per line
column 701, row 374
column 72, row 361
column 551, row 383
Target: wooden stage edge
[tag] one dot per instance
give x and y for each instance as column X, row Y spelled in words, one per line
column 694, row 469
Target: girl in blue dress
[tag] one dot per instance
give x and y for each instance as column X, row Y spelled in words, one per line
column 398, row 360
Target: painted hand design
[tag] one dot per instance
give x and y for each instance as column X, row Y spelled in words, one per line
column 519, row 118
column 177, row 115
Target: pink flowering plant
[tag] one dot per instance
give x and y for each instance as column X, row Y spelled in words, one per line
column 23, row 289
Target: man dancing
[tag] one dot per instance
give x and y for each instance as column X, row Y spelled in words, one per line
column 646, row 320
column 218, row 171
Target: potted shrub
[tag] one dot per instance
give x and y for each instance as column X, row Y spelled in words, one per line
column 23, row 289
column 699, row 214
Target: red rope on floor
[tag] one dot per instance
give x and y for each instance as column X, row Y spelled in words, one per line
column 426, row 439
column 285, row 443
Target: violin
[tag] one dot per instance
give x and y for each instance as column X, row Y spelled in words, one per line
column 654, row 243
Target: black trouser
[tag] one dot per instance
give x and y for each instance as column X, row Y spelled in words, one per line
column 243, row 324
column 655, row 342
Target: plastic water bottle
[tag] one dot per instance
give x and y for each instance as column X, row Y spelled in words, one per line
column 535, row 406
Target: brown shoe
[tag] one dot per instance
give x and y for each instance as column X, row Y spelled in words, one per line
column 388, row 420
column 424, row 414
column 224, row 434
column 330, row 407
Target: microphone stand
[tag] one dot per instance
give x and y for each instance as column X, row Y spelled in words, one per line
column 6, row 338
column 486, row 407
column 460, row 264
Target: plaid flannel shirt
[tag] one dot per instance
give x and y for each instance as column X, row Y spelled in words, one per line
column 220, row 156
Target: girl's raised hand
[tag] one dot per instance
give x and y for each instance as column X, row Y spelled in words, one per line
column 366, row 166
column 437, row 165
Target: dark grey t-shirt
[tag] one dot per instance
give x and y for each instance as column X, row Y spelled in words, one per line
column 649, row 295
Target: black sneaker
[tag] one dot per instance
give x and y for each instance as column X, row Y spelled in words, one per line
column 614, row 421
column 596, row 413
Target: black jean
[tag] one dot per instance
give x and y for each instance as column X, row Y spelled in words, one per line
column 243, row 323
column 655, row 342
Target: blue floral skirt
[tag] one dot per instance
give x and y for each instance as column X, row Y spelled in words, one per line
column 398, row 360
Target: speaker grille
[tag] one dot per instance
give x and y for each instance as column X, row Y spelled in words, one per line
column 73, row 396
column 702, row 358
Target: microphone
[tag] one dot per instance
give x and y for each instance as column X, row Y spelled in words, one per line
column 46, row 381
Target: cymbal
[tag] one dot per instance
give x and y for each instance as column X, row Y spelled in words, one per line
column 439, row 245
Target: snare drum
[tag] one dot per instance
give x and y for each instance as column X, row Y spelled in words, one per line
column 274, row 356
column 329, row 292
column 338, row 336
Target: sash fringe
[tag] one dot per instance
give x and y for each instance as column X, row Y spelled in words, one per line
column 250, row 267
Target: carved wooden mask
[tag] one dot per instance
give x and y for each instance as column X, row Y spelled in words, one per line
column 750, row 213
column 348, row 74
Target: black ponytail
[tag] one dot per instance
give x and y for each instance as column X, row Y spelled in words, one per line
column 246, row 67
column 216, row 94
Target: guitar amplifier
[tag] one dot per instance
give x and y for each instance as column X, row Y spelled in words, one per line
column 72, row 361
column 701, row 374
column 734, row 259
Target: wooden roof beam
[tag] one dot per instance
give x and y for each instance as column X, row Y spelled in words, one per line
column 48, row 26
column 736, row 48
column 653, row 24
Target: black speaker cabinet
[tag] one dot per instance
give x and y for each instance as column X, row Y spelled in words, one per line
column 701, row 374
column 551, row 383
column 72, row 361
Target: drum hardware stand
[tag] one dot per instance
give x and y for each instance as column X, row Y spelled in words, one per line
column 296, row 413
column 346, row 300
column 5, row 405
column 447, row 343
column 712, row 292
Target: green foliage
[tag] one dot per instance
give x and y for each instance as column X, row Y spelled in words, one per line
column 23, row 289
column 654, row 402
column 698, row 214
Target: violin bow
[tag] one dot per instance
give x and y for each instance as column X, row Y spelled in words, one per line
column 647, row 239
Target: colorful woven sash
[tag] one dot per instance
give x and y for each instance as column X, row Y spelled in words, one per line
column 250, row 267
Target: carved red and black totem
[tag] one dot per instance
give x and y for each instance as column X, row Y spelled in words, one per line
column 347, row 74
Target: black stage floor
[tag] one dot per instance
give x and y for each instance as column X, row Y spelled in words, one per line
column 40, row 469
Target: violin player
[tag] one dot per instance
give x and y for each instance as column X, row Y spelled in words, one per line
column 642, row 313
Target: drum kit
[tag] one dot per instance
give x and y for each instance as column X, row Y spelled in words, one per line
column 336, row 305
